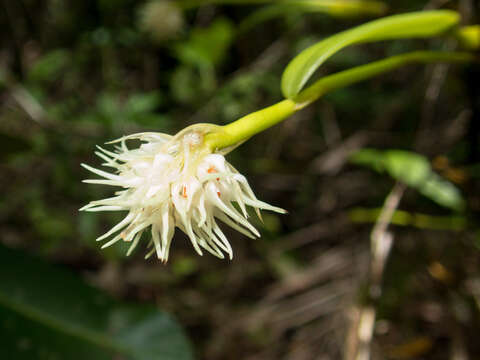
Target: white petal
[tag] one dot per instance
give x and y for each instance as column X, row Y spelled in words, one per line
column 117, row 227
column 104, row 208
column 262, row 205
column 156, row 241
column 102, row 173
column 230, row 211
column 220, row 215
column 168, row 229
column 134, row 243
column 113, row 241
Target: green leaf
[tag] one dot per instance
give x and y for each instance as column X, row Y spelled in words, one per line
column 414, row 170
column 142, row 103
column 442, row 192
column 408, row 167
column 469, row 37
column 338, row 8
column 368, row 157
column 412, row 25
column 49, row 66
column 12, row 145
column 359, row 73
column 405, row 218
column 207, row 47
column 48, row 313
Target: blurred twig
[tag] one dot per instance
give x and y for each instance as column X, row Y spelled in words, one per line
column 380, row 245
column 263, row 62
column 30, row 105
column 38, row 114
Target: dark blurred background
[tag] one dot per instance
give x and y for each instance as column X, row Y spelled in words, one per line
column 74, row 74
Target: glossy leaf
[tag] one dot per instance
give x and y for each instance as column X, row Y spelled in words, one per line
column 336, row 8
column 469, row 37
column 359, row 73
column 207, row 47
column 414, row 170
column 412, row 25
column 48, row 313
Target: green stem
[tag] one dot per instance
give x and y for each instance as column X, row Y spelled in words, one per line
column 359, row 73
column 251, row 124
column 469, row 37
column 189, row 4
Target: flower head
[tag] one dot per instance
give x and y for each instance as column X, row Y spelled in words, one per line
column 174, row 181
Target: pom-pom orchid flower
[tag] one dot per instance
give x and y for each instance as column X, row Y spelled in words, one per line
column 175, row 181
column 184, row 181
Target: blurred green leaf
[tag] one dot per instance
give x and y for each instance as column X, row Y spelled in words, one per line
column 414, row 170
column 404, row 218
column 442, row 192
column 338, row 8
column 12, row 145
column 48, row 313
column 359, row 73
column 185, row 266
column 207, row 47
column 188, row 84
column 408, row 167
column 162, row 20
column 469, row 37
column 369, row 157
column 143, row 103
column 412, row 25
column 49, row 66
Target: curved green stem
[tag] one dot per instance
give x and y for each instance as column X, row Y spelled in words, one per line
column 363, row 72
column 251, row 124
column 469, row 37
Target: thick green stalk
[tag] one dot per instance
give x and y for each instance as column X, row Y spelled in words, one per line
column 359, row 73
column 189, row 4
column 469, row 37
column 423, row 24
column 251, row 124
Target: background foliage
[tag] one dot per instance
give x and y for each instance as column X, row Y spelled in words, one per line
column 74, row 74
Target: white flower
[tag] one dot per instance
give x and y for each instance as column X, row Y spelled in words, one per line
column 174, row 181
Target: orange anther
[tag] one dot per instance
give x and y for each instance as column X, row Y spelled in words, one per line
column 218, row 193
column 184, row 192
column 212, row 169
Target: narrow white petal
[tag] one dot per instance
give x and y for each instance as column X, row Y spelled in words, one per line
column 171, row 231
column 113, row 241
column 206, row 242
column 187, row 229
column 202, row 210
column 230, row 211
column 103, row 182
column 223, row 238
column 114, row 156
column 131, row 232
column 156, row 241
column 150, row 253
column 220, row 215
column 108, row 162
column 105, row 174
column 167, row 231
column 145, row 136
column 105, row 208
column 237, row 195
column 117, row 227
column 214, row 241
column 134, row 243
